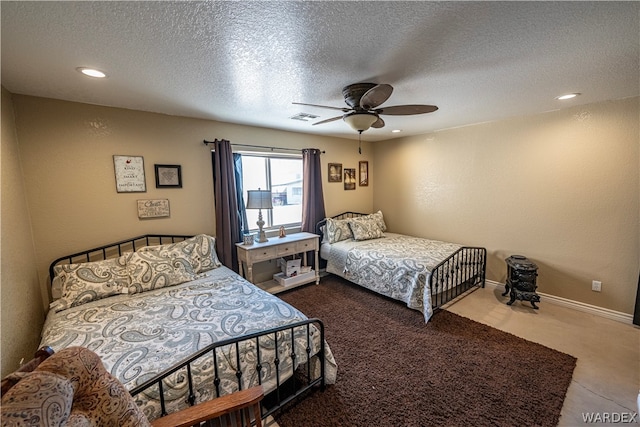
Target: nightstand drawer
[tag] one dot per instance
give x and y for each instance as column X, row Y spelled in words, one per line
column 287, row 249
column 306, row 245
column 264, row 254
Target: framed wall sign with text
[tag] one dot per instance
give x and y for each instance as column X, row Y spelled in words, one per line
column 129, row 174
column 153, row 208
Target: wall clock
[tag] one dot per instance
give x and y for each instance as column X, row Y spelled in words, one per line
column 129, row 174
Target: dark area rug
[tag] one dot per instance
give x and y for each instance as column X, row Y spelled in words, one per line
column 395, row 370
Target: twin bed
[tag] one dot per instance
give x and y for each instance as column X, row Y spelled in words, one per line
column 177, row 328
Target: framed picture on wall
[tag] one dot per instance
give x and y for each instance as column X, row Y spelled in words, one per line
column 349, row 179
column 363, row 173
column 129, row 171
column 335, row 172
column 168, row 176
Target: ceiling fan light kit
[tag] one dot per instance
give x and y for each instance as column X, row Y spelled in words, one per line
column 360, row 121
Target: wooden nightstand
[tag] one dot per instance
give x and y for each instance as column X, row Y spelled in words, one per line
column 275, row 248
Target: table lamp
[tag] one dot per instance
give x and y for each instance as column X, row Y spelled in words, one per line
column 259, row 199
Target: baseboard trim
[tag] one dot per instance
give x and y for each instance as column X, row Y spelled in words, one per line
column 577, row 305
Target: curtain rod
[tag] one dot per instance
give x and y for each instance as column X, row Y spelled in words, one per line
column 261, row 146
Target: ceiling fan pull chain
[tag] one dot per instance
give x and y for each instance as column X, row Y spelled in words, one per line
column 359, row 142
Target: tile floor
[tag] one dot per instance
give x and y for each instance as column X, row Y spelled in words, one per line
column 607, row 374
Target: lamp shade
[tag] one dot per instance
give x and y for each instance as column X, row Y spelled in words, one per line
column 259, row 199
column 360, row 121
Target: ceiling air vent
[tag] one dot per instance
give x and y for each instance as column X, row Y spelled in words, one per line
column 304, row 117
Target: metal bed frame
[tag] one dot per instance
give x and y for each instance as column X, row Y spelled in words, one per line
column 455, row 275
column 302, row 380
column 299, row 383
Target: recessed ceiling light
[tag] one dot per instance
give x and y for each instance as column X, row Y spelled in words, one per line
column 91, row 72
column 396, row 131
column 567, row 96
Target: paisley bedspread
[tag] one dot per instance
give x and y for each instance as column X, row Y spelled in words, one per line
column 396, row 266
column 139, row 335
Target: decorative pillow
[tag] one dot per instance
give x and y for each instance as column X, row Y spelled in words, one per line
column 90, row 281
column 205, row 253
column 379, row 218
column 149, row 271
column 179, row 251
column 56, row 288
column 365, row 228
column 338, row 229
column 323, row 232
column 199, row 250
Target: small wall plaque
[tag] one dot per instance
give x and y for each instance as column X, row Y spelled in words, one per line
column 153, row 208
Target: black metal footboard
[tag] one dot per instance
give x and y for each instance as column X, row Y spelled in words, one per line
column 288, row 375
column 461, row 271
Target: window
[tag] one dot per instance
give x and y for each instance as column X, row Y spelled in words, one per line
column 283, row 176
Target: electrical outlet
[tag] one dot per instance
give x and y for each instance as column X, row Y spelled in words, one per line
column 596, row 286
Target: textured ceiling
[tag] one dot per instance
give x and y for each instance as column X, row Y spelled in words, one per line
column 246, row 62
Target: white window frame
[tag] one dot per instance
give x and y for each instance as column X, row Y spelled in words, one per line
column 267, row 214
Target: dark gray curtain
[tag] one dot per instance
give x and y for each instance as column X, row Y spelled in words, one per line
column 312, row 197
column 228, row 231
column 237, row 163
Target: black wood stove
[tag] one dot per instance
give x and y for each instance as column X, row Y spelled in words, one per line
column 521, row 280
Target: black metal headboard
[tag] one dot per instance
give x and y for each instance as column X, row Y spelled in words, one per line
column 114, row 250
column 343, row 215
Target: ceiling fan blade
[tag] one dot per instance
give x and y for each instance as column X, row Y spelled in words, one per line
column 406, row 110
column 343, row 109
column 378, row 123
column 375, row 96
column 332, row 119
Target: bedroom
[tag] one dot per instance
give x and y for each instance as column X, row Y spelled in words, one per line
column 566, row 181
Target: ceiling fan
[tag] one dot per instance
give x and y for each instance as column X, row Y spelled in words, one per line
column 364, row 112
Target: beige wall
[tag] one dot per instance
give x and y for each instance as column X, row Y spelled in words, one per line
column 561, row 188
column 67, row 151
column 21, row 312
